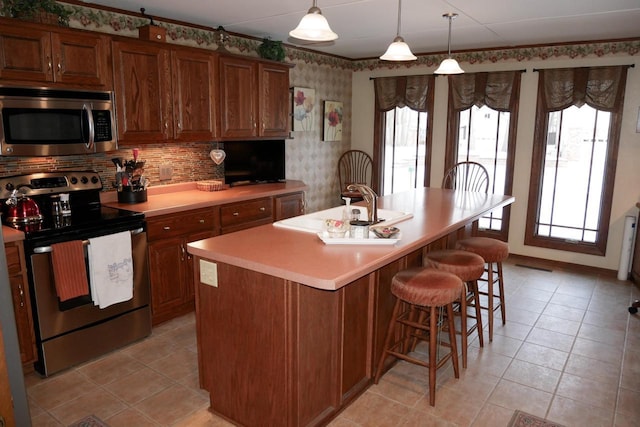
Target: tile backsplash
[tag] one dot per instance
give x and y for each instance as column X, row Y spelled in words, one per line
column 189, row 161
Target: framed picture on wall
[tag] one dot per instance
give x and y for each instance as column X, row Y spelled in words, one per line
column 303, row 109
column 332, row 121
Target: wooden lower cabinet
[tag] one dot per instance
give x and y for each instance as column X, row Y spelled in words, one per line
column 21, row 303
column 311, row 351
column 170, row 266
column 288, row 206
column 242, row 215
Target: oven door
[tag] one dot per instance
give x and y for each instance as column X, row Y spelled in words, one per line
column 67, row 335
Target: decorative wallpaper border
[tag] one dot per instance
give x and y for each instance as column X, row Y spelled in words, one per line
column 117, row 23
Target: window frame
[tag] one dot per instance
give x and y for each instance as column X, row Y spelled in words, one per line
column 379, row 145
column 451, row 156
column 535, row 186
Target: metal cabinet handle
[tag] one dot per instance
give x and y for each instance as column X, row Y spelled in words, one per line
column 182, row 249
column 236, row 214
column 202, row 221
column 21, row 295
column 262, row 209
column 49, row 64
column 166, row 228
column 180, row 125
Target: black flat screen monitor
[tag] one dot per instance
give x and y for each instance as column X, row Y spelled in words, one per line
column 254, row 162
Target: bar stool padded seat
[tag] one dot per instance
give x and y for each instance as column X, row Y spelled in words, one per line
column 492, row 250
column 443, row 288
column 466, row 265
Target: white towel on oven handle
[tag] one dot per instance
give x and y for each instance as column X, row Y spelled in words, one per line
column 110, row 269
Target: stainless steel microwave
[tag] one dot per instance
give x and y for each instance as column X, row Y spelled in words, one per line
column 54, row 122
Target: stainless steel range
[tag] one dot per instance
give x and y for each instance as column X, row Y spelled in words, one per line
column 75, row 329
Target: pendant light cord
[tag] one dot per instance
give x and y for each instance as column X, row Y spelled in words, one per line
column 449, row 43
column 399, row 11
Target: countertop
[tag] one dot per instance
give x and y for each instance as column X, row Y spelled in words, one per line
column 173, row 198
column 165, row 199
column 303, row 258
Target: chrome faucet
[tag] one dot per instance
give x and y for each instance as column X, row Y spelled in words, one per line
column 370, row 197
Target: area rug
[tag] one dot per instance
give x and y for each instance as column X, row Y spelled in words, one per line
column 90, row 421
column 522, row 419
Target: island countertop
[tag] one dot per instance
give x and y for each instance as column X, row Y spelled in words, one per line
column 303, row 258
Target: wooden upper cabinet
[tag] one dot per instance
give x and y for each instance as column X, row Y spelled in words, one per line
column 194, row 95
column 274, row 100
column 254, row 99
column 142, row 82
column 81, row 59
column 238, row 100
column 29, row 54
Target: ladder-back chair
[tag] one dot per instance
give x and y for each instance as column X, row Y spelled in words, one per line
column 354, row 167
column 469, row 176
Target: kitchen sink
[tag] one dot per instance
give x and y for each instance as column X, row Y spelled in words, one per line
column 315, row 222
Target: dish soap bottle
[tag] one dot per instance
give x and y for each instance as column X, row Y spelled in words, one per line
column 346, row 214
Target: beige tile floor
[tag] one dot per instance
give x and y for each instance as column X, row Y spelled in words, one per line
column 569, row 352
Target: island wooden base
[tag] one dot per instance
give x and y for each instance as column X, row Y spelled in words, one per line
column 273, row 352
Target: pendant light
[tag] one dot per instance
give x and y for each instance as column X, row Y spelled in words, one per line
column 449, row 65
column 398, row 50
column 313, row 27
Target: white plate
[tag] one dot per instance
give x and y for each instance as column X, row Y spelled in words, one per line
column 372, row 240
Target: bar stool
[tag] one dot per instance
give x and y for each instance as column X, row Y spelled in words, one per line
column 493, row 251
column 469, row 268
column 420, row 292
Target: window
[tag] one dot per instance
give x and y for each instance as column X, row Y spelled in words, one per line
column 405, row 141
column 483, row 110
column 573, row 167
column 402, row 132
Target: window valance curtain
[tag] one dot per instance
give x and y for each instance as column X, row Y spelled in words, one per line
column 599, row 87
column 403, row 91
column 495, row 90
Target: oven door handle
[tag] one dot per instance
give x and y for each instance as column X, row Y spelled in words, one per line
column 48, row 249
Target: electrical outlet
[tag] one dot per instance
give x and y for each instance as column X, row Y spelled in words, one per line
column 166, row 172
column 209, row 273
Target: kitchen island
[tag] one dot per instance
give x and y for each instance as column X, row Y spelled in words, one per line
column 289, row 328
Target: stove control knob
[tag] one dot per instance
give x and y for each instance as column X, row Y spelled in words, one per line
column 9, row 186
column 84, row 180
column 94, row 179
column 74, row 180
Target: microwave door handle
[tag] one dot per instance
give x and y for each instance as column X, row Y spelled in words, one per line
column 90, row 143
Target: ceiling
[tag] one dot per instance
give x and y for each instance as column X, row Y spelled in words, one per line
column 366, row 27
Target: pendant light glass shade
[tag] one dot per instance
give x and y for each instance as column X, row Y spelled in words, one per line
column 449, row 65
column 398, row 50
column 313, row 27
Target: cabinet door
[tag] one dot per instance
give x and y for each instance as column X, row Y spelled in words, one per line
column 167, row 260
column 24, row 322
column 274, row 100
column 238, row 100
column 142, row 82
column 194, row 95
column 21, row 304
column 81, row 59
column 288, row 206
column 25, row 54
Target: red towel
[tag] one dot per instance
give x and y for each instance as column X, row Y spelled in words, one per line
column 69, row 269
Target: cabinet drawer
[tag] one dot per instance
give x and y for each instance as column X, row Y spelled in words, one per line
column 13, row 259
column 181, row 223
column 246, row 212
